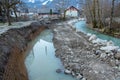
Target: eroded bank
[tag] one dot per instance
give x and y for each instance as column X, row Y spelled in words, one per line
column 13, row 45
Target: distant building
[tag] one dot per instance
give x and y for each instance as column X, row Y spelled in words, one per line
column 72, row 12
column 47, row 14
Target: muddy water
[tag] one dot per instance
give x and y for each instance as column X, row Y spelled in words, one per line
column 41, row 62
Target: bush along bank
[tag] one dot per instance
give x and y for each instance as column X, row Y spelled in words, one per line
column 13, row 45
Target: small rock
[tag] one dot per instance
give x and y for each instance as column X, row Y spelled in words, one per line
column 88, row 34
column 117, row 62
column 79, row 76
column 119, row 68
column 103, row 55
column 58, row 70
column 117, row 56
column 114, row 51
column 78, row 30
column 98, row 52
column 112, row 63
column 73, row 74
column 83, row 78
column 108, row 54
column 118, row 50
column 110, row 43
column 67, row 71
column 111, row 53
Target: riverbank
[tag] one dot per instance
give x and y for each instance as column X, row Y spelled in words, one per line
column 13, row 44
column 81, row 57
column 103, row 31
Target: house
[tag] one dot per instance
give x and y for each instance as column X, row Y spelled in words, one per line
column 72, row 12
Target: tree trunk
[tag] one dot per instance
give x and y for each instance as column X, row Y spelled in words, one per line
column 111, row 17
column 64, row 17
column 8, row 17
column 94, row 14
column 16, row 17
column 99, row 15
column 89, row 11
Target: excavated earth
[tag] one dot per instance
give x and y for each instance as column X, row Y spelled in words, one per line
column 78, row 55
column 13, row 45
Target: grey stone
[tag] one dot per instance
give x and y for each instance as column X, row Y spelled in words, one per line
column 117, row 56
column 67, row 71
column 58, row 70
column 98, row 52
column 103, row 55
column 83, row 78
column 73, row 74
column 79, row 76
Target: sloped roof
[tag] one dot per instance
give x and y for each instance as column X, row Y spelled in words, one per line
column 71, row 7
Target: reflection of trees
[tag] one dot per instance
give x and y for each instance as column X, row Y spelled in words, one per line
column 46, row 50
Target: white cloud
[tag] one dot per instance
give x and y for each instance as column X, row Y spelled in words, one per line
column 32, row 1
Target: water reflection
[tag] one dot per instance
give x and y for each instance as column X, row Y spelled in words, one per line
column 41, row 63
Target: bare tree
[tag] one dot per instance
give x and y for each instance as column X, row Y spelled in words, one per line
column 8, row 6
column 62, row 5
column 111, row 16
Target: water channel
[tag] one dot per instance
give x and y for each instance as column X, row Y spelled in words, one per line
column 81, row 25
column 41, row 62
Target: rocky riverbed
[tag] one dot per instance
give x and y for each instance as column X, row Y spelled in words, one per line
column 81, row 57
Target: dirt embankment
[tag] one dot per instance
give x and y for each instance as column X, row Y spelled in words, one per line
column 13, row 45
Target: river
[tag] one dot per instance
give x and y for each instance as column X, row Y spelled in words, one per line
column 82, row 26
column 41, row 62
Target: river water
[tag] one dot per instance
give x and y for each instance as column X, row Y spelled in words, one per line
column 81, row 25
column 41, row 62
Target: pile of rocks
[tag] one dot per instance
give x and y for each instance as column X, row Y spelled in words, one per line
column 82, row 56
column 106, row 48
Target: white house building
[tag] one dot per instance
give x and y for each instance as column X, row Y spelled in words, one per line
column 72, row 12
